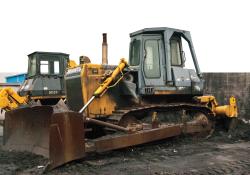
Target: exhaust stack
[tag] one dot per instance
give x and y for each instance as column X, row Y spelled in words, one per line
column 104, row 49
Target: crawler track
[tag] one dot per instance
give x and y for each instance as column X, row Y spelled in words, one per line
column 168, row 112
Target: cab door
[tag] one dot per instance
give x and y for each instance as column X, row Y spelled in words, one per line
column 152, row 62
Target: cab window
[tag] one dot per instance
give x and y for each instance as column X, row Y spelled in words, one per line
column 44, row 67
column 152, row 59
column 175, row 49
column 134, row 58
column 56, row 67
column 32, row 67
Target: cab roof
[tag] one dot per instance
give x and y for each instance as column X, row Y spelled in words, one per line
column 154, row 30
column 51, row 53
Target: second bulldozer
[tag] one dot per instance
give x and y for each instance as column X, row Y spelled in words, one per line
column 152, row 97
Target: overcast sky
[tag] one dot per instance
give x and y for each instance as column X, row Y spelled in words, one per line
column 219, row 28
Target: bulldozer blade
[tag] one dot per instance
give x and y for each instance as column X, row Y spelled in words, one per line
column 56, row 136
column 27, row 129
column 66, row 138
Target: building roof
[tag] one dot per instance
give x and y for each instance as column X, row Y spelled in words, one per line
column 3, row 75
column 16, row 75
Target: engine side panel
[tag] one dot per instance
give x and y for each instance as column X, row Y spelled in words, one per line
column 74, row 89
column 81, row 82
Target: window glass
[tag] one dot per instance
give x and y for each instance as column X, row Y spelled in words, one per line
column 32, row 67
column 152, row 59
column 175, row 51
column 56, row 67
column 44, row 67
column 189, row 63
column 135, row 53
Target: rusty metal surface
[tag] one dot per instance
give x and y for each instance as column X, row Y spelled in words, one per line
column 60, row 136
column 106, row 124
column 135, row 110
column 66, row 138
column 123, row 141
column 27, row 129
column 104, row 49
column 145, row 136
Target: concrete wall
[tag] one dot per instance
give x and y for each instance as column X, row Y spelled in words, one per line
column 223, row 85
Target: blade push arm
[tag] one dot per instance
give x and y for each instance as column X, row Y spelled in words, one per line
column 229, row 110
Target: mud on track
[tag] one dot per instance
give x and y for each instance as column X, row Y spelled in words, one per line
column 223, row 153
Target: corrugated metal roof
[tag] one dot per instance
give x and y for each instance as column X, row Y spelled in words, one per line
column 3, row 75
column 15, row 75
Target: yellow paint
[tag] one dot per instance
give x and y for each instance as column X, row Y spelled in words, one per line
column 227, row 110
column 72, row 64
column 84, row 81
column 154, row 117
column 10, row 100
column 92, row 76
column 104, row 86
column 164, row 92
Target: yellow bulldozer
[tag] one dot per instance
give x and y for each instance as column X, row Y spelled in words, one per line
column 153, row 96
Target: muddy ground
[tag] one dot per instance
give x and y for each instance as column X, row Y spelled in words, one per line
column 223, row 153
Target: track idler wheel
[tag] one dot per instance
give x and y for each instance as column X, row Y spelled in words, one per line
column 200, row 125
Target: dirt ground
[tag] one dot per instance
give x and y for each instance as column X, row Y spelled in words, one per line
column 223, row 153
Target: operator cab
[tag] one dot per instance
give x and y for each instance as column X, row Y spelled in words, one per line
column 47, row 64
column 158, row 57
column 45, row 76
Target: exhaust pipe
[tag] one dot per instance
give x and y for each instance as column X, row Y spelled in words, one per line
column 104, row 49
